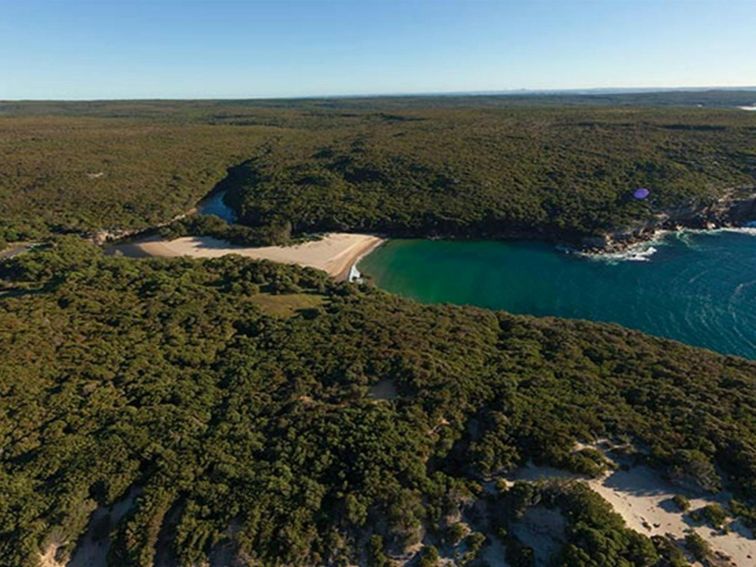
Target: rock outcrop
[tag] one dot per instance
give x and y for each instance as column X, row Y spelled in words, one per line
column 735, row 209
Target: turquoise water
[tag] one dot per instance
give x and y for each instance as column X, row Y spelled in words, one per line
column 699, row 288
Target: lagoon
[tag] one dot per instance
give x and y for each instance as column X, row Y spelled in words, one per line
column 214, row 204
column 696, row 287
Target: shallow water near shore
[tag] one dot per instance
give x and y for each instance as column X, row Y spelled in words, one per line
column 695, row 287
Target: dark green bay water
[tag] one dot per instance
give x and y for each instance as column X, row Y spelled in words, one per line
column 696, row 287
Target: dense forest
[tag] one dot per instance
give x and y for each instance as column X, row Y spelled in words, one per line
column 548, row 166
column 63, row 175
column 556, row 173
column 232, row 405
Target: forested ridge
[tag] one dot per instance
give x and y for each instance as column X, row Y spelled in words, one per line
column 232, row 399
column 63, row 175
column 459, row 166
column 556, row 173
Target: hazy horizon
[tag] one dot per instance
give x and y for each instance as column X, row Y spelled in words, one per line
column 587, row 91
column 166, row 49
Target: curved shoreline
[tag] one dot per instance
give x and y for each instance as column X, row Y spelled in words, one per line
column 353, row 274
column 736, row 208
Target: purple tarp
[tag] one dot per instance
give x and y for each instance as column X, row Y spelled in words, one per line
column 641, row 193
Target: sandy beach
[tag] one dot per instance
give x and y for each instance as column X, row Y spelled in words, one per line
column 335, row 253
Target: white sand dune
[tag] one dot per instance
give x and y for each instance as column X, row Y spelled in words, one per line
column 643, row 499
column 335, row 253
column 542, row 529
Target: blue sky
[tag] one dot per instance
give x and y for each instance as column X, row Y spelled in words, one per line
column 75, row 49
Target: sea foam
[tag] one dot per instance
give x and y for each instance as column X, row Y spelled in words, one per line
column 643, row 251
column 748, row 228
column 636, row 253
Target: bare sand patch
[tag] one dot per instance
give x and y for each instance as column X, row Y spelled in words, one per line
column 286, row 305
column 16, row 248
column 335, row 253
column 643, row 498
column 92, row 548
column 542, row 529
column 47, row 558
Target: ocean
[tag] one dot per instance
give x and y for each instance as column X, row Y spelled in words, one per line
column 698, row 287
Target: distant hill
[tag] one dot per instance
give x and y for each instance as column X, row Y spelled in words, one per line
column 707, row 97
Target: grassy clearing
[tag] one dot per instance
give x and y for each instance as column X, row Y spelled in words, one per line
column 286, row 305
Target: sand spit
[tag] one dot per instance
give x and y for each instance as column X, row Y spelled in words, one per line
column 335, row 253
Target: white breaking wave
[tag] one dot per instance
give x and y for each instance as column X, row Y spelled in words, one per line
column 643, row 251
column 640, row 252
column 749, row 228
column 747, row 107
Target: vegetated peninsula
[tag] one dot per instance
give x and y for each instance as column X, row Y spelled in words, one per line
column 253, row 413
column 231, row 411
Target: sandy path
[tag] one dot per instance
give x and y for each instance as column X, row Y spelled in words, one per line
column 335, row 253
column 16, row 248
column 90, row 550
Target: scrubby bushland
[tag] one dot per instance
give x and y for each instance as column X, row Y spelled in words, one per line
column 557, row 173
column 596, row 535
column 275, row 233
column 80, row 175
column 462, row 167
column 254, row 432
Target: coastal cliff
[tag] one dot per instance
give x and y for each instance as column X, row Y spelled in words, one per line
column 736, row 208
